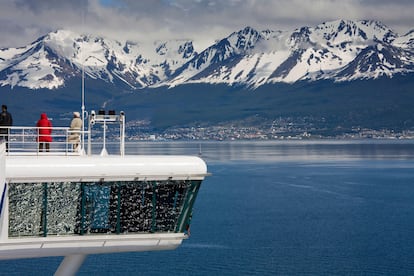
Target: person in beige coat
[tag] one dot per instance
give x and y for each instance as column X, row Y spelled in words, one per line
column 74, row 130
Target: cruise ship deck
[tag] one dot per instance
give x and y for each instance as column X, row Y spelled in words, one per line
column 74, row 203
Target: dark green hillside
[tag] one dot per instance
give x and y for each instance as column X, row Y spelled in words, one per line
column 379, row 104
column 376, row 104
column 384, row 103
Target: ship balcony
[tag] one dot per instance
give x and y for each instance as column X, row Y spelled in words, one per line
column 62, row 203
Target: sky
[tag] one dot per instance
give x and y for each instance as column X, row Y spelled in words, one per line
column 204, row 21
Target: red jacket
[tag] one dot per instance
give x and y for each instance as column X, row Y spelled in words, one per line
column 45, row 128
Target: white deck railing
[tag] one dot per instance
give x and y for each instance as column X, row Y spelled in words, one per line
column 24, row 140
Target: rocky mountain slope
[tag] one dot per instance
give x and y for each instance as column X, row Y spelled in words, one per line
column 339, row 50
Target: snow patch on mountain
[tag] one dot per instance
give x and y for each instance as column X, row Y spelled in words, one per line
column 341, row 50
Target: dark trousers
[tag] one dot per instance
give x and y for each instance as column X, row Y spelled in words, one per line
column 47, row 146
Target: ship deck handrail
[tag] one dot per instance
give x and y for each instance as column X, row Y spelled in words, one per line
column 25, row 140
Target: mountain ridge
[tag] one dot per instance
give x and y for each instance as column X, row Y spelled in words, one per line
column 341, row 50
column 332, row 79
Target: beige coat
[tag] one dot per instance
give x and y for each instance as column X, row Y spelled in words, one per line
column 74, row 130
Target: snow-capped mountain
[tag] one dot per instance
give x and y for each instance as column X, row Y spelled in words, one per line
column 61, row 55
column 338, row 50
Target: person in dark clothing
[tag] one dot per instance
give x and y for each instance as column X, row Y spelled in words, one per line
column 6, row 121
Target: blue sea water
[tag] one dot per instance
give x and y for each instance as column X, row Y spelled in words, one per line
column 282, row 208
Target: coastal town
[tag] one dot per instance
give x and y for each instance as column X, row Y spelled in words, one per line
column 275, row 130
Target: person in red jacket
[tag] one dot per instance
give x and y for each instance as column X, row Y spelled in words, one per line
column 44, row 132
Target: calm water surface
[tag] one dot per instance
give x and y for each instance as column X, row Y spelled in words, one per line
column 282, row 208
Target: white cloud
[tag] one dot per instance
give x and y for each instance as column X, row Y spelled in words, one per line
column 203, row 20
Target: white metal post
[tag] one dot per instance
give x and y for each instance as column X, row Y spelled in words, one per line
column 104, row 152
column 70, row 265
column 122, row 132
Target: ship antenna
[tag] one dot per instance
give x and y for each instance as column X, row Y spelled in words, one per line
column 83, row 87
column 83, row 104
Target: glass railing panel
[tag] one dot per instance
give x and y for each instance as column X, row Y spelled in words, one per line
column 67, row 208
column 62, row 214
column 170, row 198
column 25, row 210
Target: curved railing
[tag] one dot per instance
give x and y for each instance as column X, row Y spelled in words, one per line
column 25, row 140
